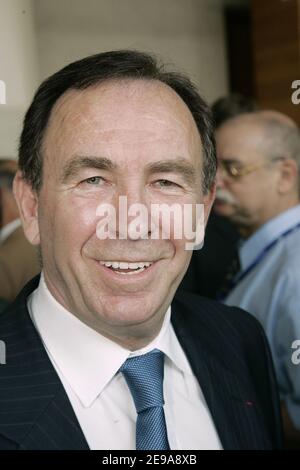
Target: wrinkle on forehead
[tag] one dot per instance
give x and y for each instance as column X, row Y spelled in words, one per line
column 123, row 113
column 114, row 97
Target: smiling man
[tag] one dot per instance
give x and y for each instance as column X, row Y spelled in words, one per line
column 100, row 354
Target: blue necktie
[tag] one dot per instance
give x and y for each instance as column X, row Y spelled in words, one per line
column 144, row 376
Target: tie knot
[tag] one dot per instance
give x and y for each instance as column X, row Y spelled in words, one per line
column 144, row 376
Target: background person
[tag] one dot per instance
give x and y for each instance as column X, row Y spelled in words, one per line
column 259, row 159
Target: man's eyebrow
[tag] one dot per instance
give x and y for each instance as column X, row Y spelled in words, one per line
column 77, row 163
column 179, row 165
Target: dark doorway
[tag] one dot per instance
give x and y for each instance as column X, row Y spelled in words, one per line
column 239, row 50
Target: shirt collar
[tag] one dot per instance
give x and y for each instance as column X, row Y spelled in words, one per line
column 8, row 229
column 82, row 359
column 266, row 234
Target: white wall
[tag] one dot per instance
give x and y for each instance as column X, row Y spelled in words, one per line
column 37, row 37
column 18, row 69
column 188, row 33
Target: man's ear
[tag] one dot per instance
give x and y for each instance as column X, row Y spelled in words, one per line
column 288, row 176
column 208, row 200
column 27, row 202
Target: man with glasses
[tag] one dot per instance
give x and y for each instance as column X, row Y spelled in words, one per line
column 258, row 190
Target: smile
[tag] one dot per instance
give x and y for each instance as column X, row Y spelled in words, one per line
column 126, row 268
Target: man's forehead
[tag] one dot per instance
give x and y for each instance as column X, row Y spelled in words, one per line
column 239, row 133
column 238, row 142
column 113, row 100
column 127, row 112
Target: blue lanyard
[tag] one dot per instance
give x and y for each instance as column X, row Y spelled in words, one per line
column 261, row 255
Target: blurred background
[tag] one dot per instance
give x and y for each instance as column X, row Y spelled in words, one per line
column 246, row 46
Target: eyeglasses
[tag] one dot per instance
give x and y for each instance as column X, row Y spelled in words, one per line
column 235, row 171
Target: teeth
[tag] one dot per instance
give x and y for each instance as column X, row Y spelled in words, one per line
column 124, row 265
column 108, row 264
column 132, row 265
column 133, row 272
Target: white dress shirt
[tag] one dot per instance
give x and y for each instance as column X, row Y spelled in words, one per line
column 8, row 229
column 88, row 363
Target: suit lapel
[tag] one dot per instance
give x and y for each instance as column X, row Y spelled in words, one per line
column 231, row 401
column 34, row 408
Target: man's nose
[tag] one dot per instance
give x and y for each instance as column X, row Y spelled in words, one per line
column 133, row 212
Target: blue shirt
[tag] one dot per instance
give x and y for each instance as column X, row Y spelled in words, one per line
column 271, row 292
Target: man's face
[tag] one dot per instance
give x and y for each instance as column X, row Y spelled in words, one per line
column 247, row 200
column 136, row 139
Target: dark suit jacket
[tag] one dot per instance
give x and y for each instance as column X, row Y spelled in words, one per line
column 227, row 350
column 3, row 304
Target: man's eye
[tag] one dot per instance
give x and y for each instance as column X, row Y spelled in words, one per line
column 166, row 184
column 93, row 180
